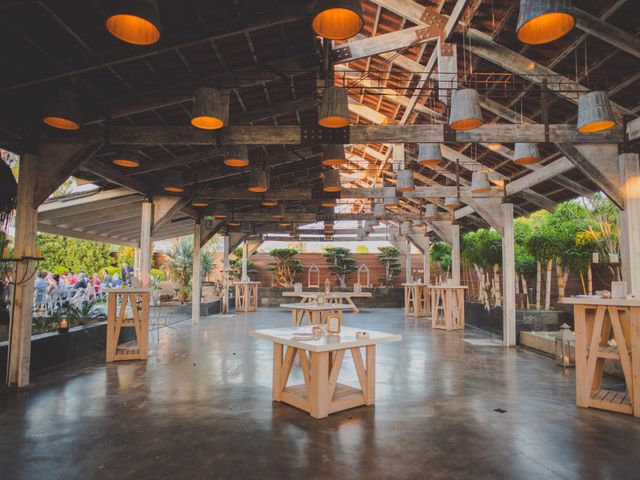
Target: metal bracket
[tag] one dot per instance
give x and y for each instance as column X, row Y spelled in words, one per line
column 434, row 25
column 341, row 54
column 314, row 134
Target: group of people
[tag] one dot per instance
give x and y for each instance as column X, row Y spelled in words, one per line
column 51, row 290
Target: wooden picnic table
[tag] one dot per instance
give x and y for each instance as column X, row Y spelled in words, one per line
column 315, row 313
column 331, row 297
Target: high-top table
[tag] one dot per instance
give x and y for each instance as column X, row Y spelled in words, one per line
column 607, row 328
column 246, row 296
column 416, row 299
column 331, row 297
column 447, row 307
column 320, row 361
column 314, row 312
column 127, row 307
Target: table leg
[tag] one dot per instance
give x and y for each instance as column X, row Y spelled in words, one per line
column 351, row 302
column 319, row 385
column 277, row 372
column 371, row 375
column 634, row 324
column 580, row 327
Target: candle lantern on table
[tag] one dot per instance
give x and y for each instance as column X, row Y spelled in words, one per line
column 64, row 326
column 565, row 347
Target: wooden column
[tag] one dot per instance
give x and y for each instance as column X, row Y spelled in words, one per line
column 426, row 261
column 245, row 260
column 455, row 254
column 407, row 260
column 196, row 280
column 508, row 278
column 146, row 245
column 225, row 274
column 630, row 221
column 136, row 263
column 25, row 245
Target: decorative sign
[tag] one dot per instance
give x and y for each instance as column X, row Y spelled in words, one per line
column 334, row 323
column 364, row 269
column 311, row 281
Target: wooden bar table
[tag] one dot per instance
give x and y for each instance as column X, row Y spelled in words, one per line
column 320, row 361
column 246, row 296
column 119, row 317
column 607, row 328
column 447, row 307
column 315, row 313
column 416, row 299
column 331, row 297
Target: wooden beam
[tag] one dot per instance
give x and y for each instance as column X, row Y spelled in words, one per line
column 114, row 176
column 455, row 16
column 607, row 32
column 164, row 209
column 68, row 232
column 545, row 173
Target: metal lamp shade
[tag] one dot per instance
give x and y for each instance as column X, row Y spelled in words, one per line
column 391, row 202
column 480, row 182
column 431, row 210
column 135, row 21
column 173, row 182
column 329, row 223
column 405, row 228
column 329, row 202
column 333, row 155
column 378, row 210
column 199, row 203
column 267, row 202
column 233, row 223
column 368, row 226
column 284, row 223
column 466, row 113
column 63, row 110
column 526, row 153
column 543, row 21
column 337, row 19
column 220, row 215
column 405, row 182
column 595, row 113
column 334, row 109
column 258, row 181
column 237, row 156
column 429, row 154
column 279, row 213
column 331, row 181
column 209, row 111
column 126, row 157
column 452, row 202
column 417, row 223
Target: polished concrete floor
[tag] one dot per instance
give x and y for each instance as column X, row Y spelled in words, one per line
column 201, row 408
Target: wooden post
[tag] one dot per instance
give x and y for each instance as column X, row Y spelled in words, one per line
column 136, row 263
column 196, row 280
column 225, row 274
column 408, row 263
column 426, row 261
column 25, row 246
column 508, row 278
column 245, row 260
column 455, row 254
column 146, row 245
column 630, row 221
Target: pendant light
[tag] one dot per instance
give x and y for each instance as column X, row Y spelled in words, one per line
column 333, row 155
column 543, row 21
column 210, row 111
column 232, row 222
column 480, row 182
column 268, row 202
column 126, row 157
column 404, row 181
column 331, row 181
column 391, row 202
column 279, row 213
column 173, row 182
column 220, row 216
column 199, row 203
column 431, row 211
column 368, row 226
column 329, row 223
column 63, row 110
column 526, row 153
column 405, row 228
column 429, row 154
column 466, row 113
column 337, row 19
column 237, row 156
column 284, row 223
column 452, row 202
column 378, row 210
column 329, row 202
column 135, row 21
column 258, row 181
column 595, row 113
column 334, row 109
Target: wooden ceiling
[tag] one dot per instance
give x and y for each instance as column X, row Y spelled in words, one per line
column 266, row 55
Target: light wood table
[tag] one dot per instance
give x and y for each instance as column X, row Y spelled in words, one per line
column 447, row 306
column 315, row 313
column 607, row 328
column 118, row 299
column 246, row 296
column 416, row 299
column 320, row 361
column 331, row 297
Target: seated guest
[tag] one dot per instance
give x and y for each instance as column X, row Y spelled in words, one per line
column 96, row 282
column 106, row 278
column 81, row 282
column 115, row 281
column 40, row 286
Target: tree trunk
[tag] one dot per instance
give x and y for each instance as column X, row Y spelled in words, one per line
column 590, row 281
column 560, row 278
column 525, row 291
column 547, row 296
column 496, row 284
column 538, row 284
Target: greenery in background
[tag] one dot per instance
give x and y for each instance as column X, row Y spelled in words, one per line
column 390, row 258
column 235, row 265
column 126, row 254
column 440, row 254
column 180, row 264
column 341, row 264
column 62, row 254
column 285, row 265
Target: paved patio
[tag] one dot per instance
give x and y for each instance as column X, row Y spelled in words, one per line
column 201, row 408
